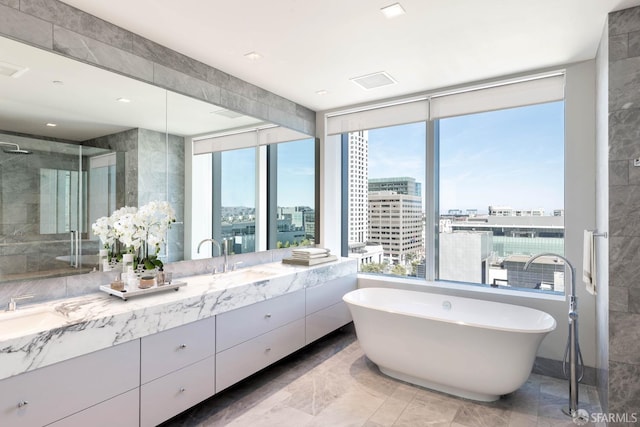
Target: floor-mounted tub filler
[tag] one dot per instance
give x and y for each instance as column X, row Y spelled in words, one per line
column 572, row 364
column 470, row 348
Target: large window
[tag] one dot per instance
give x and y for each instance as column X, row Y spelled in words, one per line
column 501, row 196
column 253, row 195
column 234, row 219
column 468, row 195
column 295, row 189
column 386, row 200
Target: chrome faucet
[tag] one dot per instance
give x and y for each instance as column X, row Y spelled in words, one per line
column 225, row 266
column 572, row 270
column 12, row 303
column 572, row 353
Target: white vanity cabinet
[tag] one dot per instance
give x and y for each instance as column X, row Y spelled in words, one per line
column 175, row 348
column 325, row 309
column 154, row 377
column 167, row 396
column 177, row 371
column 253, row 337
column 122, row 411
column 49, row 394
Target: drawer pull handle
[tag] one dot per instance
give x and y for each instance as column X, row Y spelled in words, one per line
column 182, row 346
column 182, row 389
column 267, row 316
column 268, row 349
column 22, row 403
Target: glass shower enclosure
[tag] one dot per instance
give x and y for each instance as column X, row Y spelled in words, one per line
column 49, row 196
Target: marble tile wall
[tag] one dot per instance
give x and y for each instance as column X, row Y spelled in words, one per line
column 125, row 142
column 161, row 177
column 624, row 211
column 154, row 170
column 63, row 29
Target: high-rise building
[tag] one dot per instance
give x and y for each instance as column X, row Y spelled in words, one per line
column 401, row 185
column 358, row 187
column 395, row 222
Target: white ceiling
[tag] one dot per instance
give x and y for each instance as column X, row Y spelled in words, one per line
column 308, row 45
column 84, row 103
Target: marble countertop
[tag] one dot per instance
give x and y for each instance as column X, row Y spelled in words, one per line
column 81, row 325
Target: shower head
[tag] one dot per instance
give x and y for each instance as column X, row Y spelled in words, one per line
column 16, row 150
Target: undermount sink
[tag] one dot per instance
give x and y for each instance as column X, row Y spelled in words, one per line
column 28, row 320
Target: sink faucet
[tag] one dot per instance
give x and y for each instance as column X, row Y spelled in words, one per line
column 12, row 303
column 225, row 266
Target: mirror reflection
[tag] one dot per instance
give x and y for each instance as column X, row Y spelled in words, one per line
column 97, row 141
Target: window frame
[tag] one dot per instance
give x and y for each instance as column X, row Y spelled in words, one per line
column 351, row 120
column 264, row 140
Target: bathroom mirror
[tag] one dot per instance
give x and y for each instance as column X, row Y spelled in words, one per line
column 97, row 141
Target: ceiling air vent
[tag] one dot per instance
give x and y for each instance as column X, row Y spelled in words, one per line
column 375, row 80
column 12, row 70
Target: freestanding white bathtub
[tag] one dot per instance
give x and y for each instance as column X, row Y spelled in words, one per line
column 471, row 348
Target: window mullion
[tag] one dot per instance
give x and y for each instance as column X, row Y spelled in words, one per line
column 432, row 198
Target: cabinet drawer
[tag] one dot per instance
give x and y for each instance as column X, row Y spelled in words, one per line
column 240, row 325
column 176, row 348
column 59, row 390
column 121, row 411
column 327, row 320
column 240, row 361
column 329, row 293
column 168, row 396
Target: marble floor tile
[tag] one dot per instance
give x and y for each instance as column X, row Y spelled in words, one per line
column 331, row 383
column 392, row 408
column 519, row 419
column 429, row 408
column 473, row 414
column 272, row 412
column 351, row 409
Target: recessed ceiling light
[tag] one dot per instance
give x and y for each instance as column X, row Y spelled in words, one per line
column 124, row 100
column 322, row 92
column 253, row 56
column 393, row 10
column 52, row 125
column 375, row 80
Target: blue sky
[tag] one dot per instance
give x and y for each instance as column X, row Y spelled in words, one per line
column 510, row 157
column 295, row 175
column 239, row 178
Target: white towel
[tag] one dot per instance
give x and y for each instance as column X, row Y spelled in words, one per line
column 307, row 256
column 589, row 262
column 310, row 251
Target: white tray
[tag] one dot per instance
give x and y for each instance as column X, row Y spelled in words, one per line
column 125, row 295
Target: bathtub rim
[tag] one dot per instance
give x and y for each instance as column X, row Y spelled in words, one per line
column 440, row 319
column 423, row 285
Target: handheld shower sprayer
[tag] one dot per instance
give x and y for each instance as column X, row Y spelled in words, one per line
column 572, row 353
